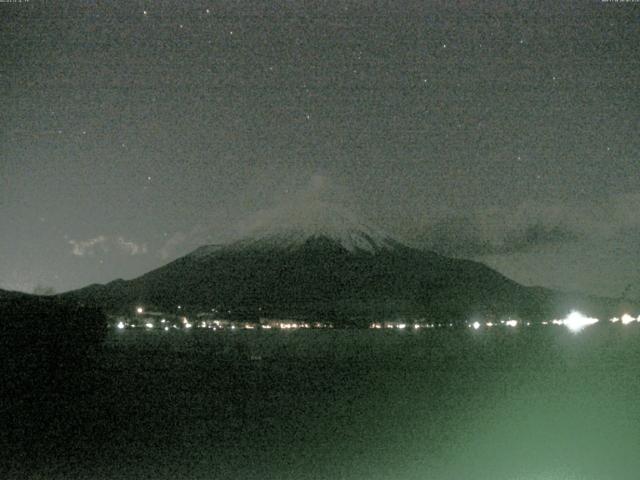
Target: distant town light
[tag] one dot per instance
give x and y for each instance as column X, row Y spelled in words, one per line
column 511, row 323
column 120, row 325
column 576, row 321
column 475, row 325
column 627, row 319
column 140, row 310
column 148, row 325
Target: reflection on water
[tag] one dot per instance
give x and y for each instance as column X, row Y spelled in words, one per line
column 486, row 403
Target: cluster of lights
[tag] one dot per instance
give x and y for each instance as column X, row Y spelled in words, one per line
column 507, row 323
column 404, row 326
column 576, row 321
column 219, row 324
column 626, row 319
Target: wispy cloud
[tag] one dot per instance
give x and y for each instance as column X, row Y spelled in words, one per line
column 531, row 226
column 130, row 247
column 88, row 247
column 104, row 244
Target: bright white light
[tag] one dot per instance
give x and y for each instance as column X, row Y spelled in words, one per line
column 187, row 325
column 489, row 324
column 148, row 325
column 576, row 321
column 475, row 325
column 120, row 325
column 614, row 320
column 511, row 323
column 166, row 329
column 402, row 326
column 627, row 319
column 140, row 310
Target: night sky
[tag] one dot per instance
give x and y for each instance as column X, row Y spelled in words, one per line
column 507, row 132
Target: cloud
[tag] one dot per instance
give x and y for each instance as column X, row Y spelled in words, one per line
column 104, row 244
column 130, row 247
column 501, row 231
column 533, row 226
column 88, row 247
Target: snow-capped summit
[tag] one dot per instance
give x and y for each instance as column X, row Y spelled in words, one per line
column 291, row 226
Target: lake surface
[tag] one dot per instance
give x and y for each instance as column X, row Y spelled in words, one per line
column 524, row 403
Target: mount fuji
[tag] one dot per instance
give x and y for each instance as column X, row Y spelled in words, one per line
column 321, row 261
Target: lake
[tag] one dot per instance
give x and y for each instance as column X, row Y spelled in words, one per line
column 538, row 403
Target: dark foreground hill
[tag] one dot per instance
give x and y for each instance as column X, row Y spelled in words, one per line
column 45, row 338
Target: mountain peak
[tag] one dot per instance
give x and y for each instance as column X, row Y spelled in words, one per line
column 292, row 226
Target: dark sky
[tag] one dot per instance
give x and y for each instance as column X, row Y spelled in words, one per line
column 131, row 132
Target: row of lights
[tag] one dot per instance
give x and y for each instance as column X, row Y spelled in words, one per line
column 575, row 321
